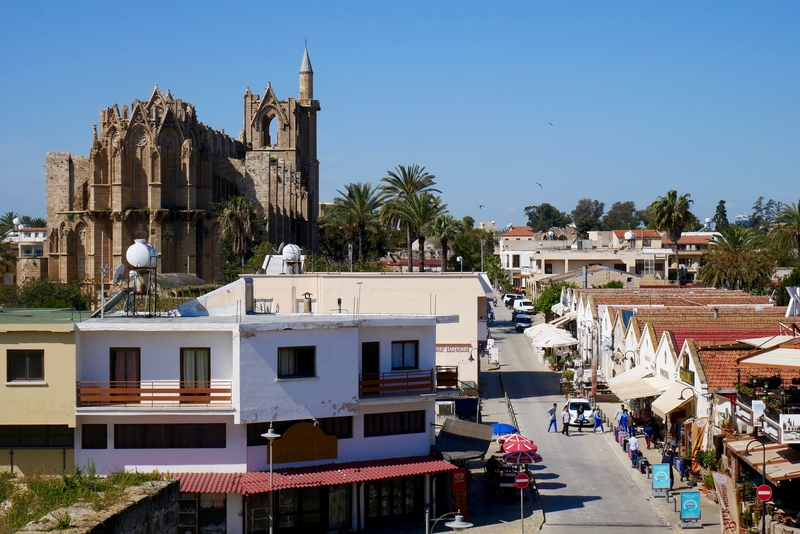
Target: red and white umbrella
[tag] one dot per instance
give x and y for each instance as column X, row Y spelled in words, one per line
column 519, row 446
column 522, row 457
column 513, row 437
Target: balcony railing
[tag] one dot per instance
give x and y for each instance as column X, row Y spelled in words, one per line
column 446, row 377
column 153, row 393
column 396, row 383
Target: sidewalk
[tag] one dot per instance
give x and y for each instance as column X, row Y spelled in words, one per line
column 709, row 510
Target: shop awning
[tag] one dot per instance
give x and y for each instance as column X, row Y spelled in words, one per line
column 462, row 440
column 783, row 462
column 343, row 473
column 570, row 316
column 632, row 384
column 558, row 308
column 784, row 358
column 669, row 401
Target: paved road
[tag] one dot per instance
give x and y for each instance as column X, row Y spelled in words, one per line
column 583, row 481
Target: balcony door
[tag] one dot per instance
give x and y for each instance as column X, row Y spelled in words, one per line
column 196, row 368
column 125, row 370
column 371, row 359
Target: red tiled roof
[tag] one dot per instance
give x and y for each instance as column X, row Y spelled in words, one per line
column 209, row 482
column 311, row 476
column 720, row 365
column 518, row 231
column 344, row 473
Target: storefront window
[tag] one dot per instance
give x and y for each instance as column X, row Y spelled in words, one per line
column 393, row 501
column 338, row 507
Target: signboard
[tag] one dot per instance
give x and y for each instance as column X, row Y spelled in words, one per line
column 661, row 476
column 686, row 375
column 771, row 429
column 522, row 480
column 790, row 426
column 453, row 347
column 764, row 492
column 458, row 481
column 743, row 414
column 690, row 505
column 728, row 503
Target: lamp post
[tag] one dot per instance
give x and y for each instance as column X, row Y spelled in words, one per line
column 460, row 260
column 458, row 524
column 270, row 436
column 763, row 480
column 592, row 330
column 681, row 398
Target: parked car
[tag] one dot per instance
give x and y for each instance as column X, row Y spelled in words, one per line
column 509, row 302
column 523, row 305
column 522, row 321
column 588, row 413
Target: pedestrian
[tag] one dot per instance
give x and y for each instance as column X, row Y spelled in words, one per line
column 552, row 411
column 598, row 422
column 647, row 430
column 580, row 418
column 565, row 420
column 623, row 420
column 669, row 458
column 631, row 424
column 633, row 446
column 618, row 413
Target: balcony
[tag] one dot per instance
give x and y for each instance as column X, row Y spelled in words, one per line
column 396, row 383
column 153, row 393
column 446, row 377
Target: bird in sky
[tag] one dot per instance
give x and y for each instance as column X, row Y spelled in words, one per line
column 480, row 207
column 540, row 185
column 550, row 123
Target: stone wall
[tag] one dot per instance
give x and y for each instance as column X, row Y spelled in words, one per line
column 151, row 508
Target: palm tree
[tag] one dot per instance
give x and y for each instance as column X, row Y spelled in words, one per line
column 671, row 214
column 418, row 211
column 354, row 210
column 735, row 260
column 786, row 230
column 7, row 222
column 238, row 220
column 444, row 228
column 34, row 222
column 399, row 185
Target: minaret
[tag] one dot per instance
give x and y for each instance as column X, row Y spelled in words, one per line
column 306, row 78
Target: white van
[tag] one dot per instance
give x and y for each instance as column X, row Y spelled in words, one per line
column 523, row 306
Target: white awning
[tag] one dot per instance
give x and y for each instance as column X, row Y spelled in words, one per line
column 669, row 401
column 636, row 373
column 558, row 308
column 766, row 342
column 782, row 357
column 632, row 384
column 570, row 316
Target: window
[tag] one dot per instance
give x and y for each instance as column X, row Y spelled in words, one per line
column 25, row 365
column 36, row 436
column 548, row 268
column 94, row 436
column 170, row 436
column 404, row 354
column 389, row 424
column 195, row 368
column 515, row 261
column 296, row 362
column 341, row 427
column 125, row 367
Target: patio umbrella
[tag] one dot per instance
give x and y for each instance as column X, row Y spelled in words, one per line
column 498, row 429
column 513, row 437
column 540, row 329
column 554, row 340
column 519, row 446
column 522, row 457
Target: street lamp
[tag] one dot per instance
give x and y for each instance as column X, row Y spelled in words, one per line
column 270, row 436
column 593, row 329
column 681, row 398
column 458, row 524
column 763, row 479
column 461, row 261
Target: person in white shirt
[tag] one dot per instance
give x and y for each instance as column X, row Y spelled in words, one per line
column 633, row 446
column 565, row 421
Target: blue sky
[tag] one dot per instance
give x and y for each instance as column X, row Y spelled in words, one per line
column 643, row 97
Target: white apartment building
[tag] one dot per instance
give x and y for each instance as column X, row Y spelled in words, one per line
column 353, row 398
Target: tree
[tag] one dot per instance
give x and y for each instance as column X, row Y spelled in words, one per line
column 496, row 273
column 786, row 230
column 354, row 210
column 543, row 217
column 735, row 260
column 398, row 186
column 7, row 222
column 444, row 228
column 791, row 280
column 721, row 217
column 671, row 214
column 586, row 215
column 238, row 222
column 468, row 245
column 622, row 215
column 418, row 211
column 34, row 222
column 763, row 214
column 550, row 295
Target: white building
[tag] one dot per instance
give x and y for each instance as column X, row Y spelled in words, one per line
column 353, row 400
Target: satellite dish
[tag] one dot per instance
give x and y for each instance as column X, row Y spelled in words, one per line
column 119, row 272
column 291, row 252
column 629, row 235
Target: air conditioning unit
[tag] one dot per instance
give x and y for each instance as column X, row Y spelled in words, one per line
column 445, row 408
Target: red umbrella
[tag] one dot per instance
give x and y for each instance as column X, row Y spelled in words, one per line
column 519, row 446
column 522, row 457
column 513, row 438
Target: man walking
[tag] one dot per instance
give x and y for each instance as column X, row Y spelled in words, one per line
column 552, row 411
column 633, row 446
column 598, row 422
column 565, row 420
column 618, row 413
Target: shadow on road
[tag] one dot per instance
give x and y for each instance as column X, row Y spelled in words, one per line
column 555, row 503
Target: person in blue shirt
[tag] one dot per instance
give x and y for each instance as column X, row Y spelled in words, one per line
column 623, row 420
column 647, row 430
column 598, row 422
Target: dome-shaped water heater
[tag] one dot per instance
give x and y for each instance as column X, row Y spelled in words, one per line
column 141, row 255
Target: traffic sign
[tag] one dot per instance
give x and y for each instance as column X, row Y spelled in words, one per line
column 522, row 480
column 764, row 492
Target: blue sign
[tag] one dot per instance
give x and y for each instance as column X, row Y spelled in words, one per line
column 661, row 476
column 690, row 505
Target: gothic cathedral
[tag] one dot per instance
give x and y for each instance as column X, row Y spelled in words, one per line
column 154, row 172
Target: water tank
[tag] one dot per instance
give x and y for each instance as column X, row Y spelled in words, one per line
column 141, row 255
column 629, row 235
column 291, row 253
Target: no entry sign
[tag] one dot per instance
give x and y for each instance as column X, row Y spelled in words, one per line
column 764, row 492
column 522, row 480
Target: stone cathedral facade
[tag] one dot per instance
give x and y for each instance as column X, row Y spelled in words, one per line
column 154, row 172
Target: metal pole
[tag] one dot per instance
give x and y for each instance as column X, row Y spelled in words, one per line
column 763, row 482
column 482, row 254
column 427, row 520
column 521, row 512
column 271, row 496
